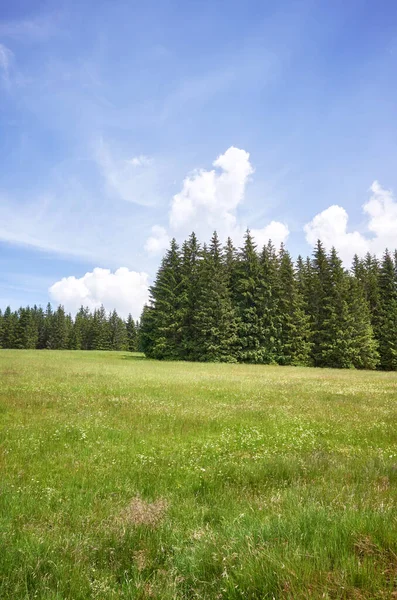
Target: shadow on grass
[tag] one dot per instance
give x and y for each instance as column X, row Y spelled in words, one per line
column 134, row 356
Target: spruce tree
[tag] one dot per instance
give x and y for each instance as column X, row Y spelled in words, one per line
column 364, row 345
column 188, row 293
column 294, row 323
column 337, row 327
column 317, row 288
column 99, row 331
column 249, row 304
column 387, row 321
column 268, row 305
column 214, row 320
column 117, row 332
column 27, row 333
column 132, row 334
column 10, row 324
column 166, row 321
column 58, row 334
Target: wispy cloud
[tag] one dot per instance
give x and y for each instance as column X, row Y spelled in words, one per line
column 134, row 179
column 36, row 29
column 6, row 58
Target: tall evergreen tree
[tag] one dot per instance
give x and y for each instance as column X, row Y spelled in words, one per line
column 268, row 304
column 27, row 333
column 99, row 330
column 117, row 332
column 387, row 323
column 295, row 324
column 363, row 343
column 317, row 288
column 337, row 327
column 10, row 324
column 249, row 304
column 214, row 320
column 188, row 292
column 166, row 319
column 58, row 333
column 132, row 334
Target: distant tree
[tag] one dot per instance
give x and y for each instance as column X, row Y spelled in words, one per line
column 58, row 332
column 27, row 333
column 10, row 325
column 132, row 334
column 117, row 332
column 99, row 337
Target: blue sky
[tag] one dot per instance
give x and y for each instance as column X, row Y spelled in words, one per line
column 112, row 115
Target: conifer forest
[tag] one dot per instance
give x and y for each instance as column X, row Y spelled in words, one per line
column 217, row 303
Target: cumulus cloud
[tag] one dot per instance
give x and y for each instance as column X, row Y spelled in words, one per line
column 124, row 290
column 382, row 212
column 209, row 200
column 158, row 241
column 331, row 226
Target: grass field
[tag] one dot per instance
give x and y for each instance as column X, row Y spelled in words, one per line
column 126, row 478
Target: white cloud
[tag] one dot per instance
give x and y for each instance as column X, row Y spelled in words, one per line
column 382, row 211
column 35, row 29
column 276, row 232
column 132, row 180
column 331, row 226
column 6, row 58
column 209, row 200
column 158, row 242
column 140, row 161
column 212, row 196
column 124, row 290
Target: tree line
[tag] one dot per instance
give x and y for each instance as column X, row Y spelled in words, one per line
column 35, row 328
column 215, row 303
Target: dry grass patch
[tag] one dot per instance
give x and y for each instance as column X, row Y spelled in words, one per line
column 139, row 512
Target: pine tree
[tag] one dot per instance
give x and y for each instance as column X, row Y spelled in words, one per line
column 45, row 332
column 249, row 304
column 230, row 259
column 337, row 345
column 295, row 324
column 387, row 322
column 317, row 288
column 147, row 331
column 118, row 332
column 166, row 320
column 132, row 334
column 58, row 334
column 99, row 338
column 364, row 346
column 188, row 292
column 214, row 320
column 10, row 324
column 269, row 294
column 27, row 333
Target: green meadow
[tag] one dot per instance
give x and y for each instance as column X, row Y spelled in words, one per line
column 125, row 478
